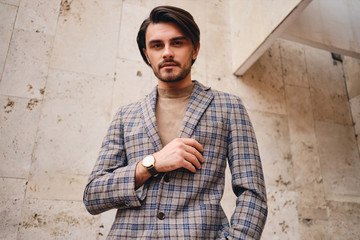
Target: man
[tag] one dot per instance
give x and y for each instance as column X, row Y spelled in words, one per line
column 162, row 163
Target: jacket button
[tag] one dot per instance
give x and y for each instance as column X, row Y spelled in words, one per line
column 161, row 215
column 127, row 203
column 166, row 178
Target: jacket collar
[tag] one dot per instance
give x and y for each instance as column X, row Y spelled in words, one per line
column 200, row 99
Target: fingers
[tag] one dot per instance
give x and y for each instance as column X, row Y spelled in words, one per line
column 180, row 153
column 191, row 154
column 193, row 143
column 194, row 152
column 190, row 158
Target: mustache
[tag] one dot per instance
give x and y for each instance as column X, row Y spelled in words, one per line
column 168, row 61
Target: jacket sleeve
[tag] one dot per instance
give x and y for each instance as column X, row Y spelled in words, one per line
column 248, row 219
column 112, row 181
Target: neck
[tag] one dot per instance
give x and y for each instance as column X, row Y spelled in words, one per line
column 176, row 85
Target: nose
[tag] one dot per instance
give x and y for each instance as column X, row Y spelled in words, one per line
column 168, row 52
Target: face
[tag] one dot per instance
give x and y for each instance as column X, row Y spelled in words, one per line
column 170, row 53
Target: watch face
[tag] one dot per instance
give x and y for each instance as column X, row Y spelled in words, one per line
column 148, row 161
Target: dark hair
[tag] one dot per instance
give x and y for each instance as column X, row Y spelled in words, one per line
column 168, row 14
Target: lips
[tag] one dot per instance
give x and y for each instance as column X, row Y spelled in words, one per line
column 168, row 64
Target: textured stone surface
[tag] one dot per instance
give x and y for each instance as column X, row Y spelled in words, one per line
column 19, row 118
column 328, row 90
column 21, row 78
column 307, row 169
column 43, row 219
column 344, row 220
column 86, row 39
column 131, row 18
column 11, row 198
column 7, row 20
column 355, row 110
column 282, row 222
column 73, row 122
column 352, row 76
column 133, row 80
column 11, row 2
column 262, row 87
column 339, row 158
column 274, row 144
column 293, row 64
column 38, row 16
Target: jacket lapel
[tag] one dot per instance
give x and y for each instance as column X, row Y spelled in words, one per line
column 149, row 119
column 199, row 101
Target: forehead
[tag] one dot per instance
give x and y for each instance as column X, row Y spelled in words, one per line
column 162, row 32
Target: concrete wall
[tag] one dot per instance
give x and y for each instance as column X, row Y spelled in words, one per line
column 65, row 68
column 331, row 25
column 256, row 24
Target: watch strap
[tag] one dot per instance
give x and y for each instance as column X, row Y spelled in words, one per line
column 152, row 171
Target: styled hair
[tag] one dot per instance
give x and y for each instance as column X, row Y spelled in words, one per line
column 168, row 14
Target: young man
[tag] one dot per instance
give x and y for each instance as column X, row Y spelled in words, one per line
column 162, row 163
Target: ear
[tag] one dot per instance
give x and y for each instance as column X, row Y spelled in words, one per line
column 147, row 56
column 196, row 52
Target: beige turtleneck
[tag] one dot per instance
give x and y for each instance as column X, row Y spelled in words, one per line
column 170, row 110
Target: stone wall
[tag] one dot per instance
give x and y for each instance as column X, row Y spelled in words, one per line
column 66, row 66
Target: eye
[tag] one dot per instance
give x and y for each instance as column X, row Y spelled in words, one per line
column 178, row 43
column 156, row 45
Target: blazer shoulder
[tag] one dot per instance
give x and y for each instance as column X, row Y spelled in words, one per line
column 225, row 97
column 129, row 109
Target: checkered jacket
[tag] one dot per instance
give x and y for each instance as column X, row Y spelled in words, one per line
column 181, row 204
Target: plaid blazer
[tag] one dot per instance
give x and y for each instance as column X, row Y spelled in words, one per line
column 181, row 204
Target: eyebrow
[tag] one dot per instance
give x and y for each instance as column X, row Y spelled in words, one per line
column 172, row 39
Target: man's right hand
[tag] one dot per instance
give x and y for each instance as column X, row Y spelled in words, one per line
column 179, row 153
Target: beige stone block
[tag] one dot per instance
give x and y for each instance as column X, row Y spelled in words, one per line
column 352, row 76
column 241, row 14
column 131, row 18
column 262, row 87
column 38, row 16
column 19, row 119
column 7, row 19
column 329, row 95
column 143, row 3
column 282, row 222
column 44, row 219
column 293, row 64
column 26, row 66
column 263, row 15
column 218, row 43
column 11, row 2
column 198, row 70
column 75, row 116
column 307, row 172
column 106, row 219
column 11, row 198
column 86, row 38
column 344, row 220
column 339, row 159
column 217, row 12
column 134, row 80
column 53, row 184
column 314, row 229
column 355, row 110
column 274, row 144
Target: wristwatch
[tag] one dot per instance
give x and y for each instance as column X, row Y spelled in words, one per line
column 149, row 163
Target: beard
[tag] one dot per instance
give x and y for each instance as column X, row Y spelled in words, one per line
column 170, row 75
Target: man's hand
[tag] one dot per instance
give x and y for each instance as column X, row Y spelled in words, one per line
column 179, row 153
